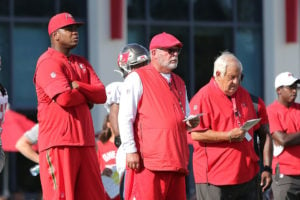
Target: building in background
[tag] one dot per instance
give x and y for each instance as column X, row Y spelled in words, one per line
column 263, row 34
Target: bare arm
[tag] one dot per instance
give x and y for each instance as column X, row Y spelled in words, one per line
column 210, row 136
column 113, row 118
column 284, row 139
column 267, row 151
column 266, row 144
column 25, row 148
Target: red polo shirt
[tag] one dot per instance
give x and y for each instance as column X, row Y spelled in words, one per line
column 223, row 163
column 286, row 120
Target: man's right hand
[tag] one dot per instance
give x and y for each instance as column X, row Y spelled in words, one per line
column 74, row 85
column 236, row 135
column 133, row 161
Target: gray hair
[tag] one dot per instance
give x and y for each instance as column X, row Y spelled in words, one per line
column 221, row 64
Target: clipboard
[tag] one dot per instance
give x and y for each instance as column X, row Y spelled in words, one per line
column 192, row 117
column 249, row 124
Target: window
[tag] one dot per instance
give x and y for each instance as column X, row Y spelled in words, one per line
column 206, row 28
column 24, row 37
column 4, row 53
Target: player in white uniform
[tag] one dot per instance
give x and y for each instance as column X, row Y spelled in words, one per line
column 131, row 57
column 3, row 107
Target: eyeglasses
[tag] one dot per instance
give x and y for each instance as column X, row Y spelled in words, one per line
column 171, row 51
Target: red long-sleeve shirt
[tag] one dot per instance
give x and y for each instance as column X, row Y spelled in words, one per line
column 63, row 113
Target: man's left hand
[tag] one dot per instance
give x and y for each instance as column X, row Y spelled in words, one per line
column 266, row 180
column 193, row 122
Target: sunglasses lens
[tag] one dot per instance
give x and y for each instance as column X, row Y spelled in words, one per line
column 174, row 50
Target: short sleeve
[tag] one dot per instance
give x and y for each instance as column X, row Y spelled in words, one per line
column 32, row 134
column 262, row 112
column 197, row 106
column 50, row 75
column 113, row 93
column 274, row 120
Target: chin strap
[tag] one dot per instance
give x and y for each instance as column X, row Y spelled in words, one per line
column 119, row 72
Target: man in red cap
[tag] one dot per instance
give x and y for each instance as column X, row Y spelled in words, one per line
column 153, row 106
column 67, row 87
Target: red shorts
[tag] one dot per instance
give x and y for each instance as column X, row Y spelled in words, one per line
column 70, row 173
column 151, row 185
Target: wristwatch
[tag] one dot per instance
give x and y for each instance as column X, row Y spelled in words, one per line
column 118, row 141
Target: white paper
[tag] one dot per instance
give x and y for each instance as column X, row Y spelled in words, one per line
column 249, row 124
column 278, row 149
column 192, row 117
column 111, row 184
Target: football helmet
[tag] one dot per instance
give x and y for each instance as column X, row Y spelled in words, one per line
column 131, row 57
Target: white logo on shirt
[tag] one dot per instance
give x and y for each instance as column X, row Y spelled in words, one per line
column 53, row 75
column 195, row 107
column 82, row 67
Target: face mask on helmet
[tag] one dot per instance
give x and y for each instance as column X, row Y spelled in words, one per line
column 131, row 57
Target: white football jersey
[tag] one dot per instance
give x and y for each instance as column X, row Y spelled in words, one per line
column 113, row 93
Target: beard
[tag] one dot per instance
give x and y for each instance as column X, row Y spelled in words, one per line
column 172, row 64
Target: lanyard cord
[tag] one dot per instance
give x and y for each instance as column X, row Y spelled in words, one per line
column 175, row 92
column 237, row 115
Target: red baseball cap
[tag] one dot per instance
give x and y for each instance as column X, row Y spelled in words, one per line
column 164, row 40
column 61, row 20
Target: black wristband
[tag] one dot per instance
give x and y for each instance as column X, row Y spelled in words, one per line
column 117, row 141
column 267, row 169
